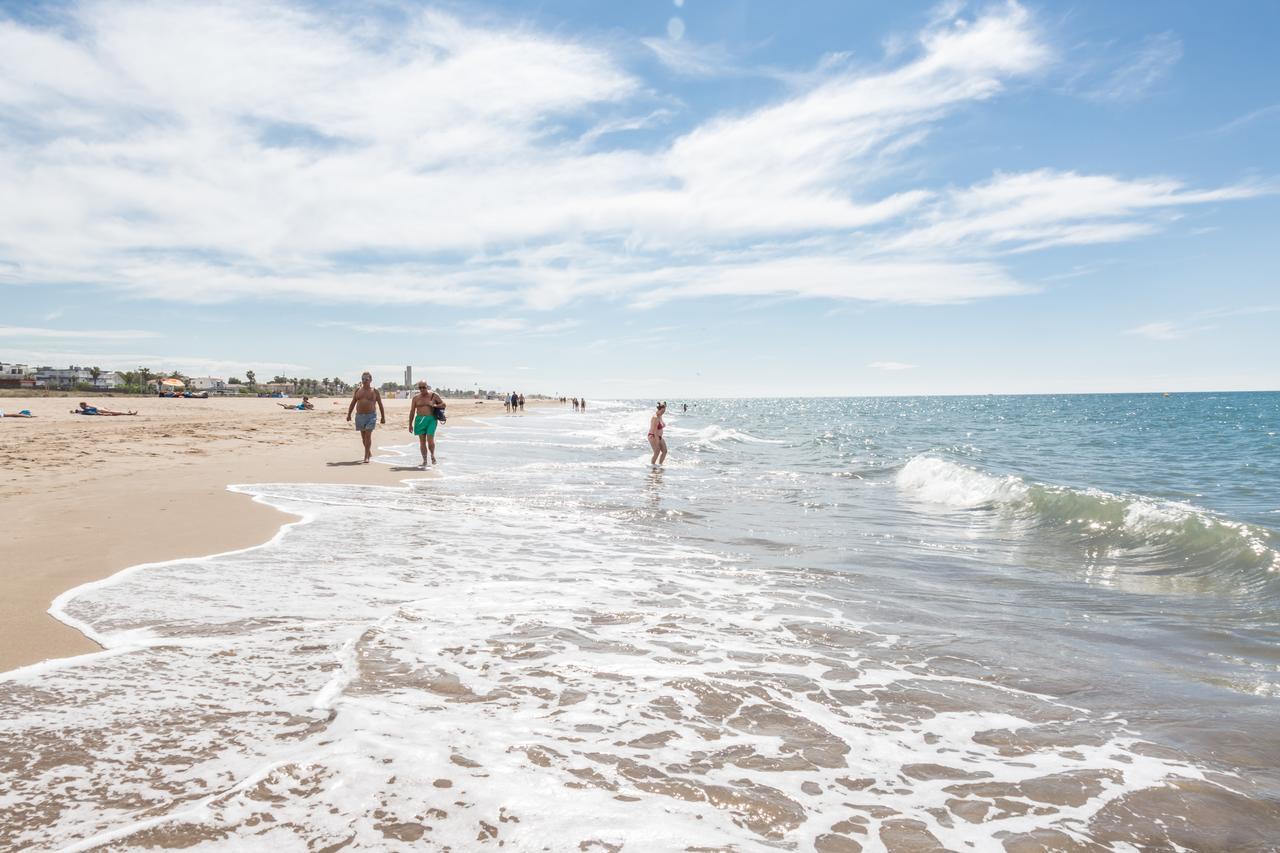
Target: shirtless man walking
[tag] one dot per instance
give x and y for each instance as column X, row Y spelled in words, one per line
column 422, row 419
column 365, row 398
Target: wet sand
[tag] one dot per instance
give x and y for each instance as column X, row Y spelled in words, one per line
column 84, row 497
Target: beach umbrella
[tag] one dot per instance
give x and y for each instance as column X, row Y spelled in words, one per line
column 173, row 383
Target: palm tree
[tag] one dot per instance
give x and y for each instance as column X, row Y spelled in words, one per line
column 251, row 376
column 95, row 372
column 144, row 376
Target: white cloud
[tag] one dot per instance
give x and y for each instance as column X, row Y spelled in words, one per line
column 485, row 325
column 202, row 153
column 375, row 328
column 1199, row 322
column 833, row 277
column 192, row 365
column 1246, row 311
column 1035, row 210
column 1247, row 119
column 890, row 365
column 1134, row 79
column 1161, row 331
column 692, row 59
column 101, row 335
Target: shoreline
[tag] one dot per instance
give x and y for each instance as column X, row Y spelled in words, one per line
column 87, row 498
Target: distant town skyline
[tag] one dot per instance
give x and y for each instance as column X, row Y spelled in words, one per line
column 648, row 199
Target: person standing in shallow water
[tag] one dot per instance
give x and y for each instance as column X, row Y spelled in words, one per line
column 364, row 400
column 423, row 420
column 656, row 440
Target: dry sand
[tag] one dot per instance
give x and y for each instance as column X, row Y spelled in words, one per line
column 84, row 497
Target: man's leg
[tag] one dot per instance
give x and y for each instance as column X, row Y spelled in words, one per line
column 431, row 443
column 422, row 445
column 366, row 435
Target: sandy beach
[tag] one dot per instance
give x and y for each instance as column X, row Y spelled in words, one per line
column 84, row 497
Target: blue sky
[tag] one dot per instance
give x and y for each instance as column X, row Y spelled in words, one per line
column 648, row 199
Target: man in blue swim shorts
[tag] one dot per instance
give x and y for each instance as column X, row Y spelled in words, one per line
column 364, row 401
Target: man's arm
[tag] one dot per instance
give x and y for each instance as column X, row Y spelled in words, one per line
column 437, row 400
column 413, row 407
column 353, row 403
column 381, row 411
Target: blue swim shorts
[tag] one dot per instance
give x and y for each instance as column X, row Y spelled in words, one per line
column 366, row 422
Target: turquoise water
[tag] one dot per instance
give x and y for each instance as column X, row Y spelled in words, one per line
column 983, row 623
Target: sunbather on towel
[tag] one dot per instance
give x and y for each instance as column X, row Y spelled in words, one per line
column 305, row 406
column 94, row 410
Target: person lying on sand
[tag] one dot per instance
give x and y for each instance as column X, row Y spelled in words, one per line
column 305, row 406
column 94, row 410
column 24, row 413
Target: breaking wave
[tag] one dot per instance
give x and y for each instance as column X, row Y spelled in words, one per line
column 1156, row 534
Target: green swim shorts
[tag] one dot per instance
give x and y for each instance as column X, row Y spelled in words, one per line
column 424, row 425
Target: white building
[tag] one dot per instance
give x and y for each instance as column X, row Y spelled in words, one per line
column 109, row 380
column 62, row 377
column 15, row 376
column 206, row 383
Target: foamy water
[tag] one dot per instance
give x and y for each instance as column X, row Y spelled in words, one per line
column 764, row 646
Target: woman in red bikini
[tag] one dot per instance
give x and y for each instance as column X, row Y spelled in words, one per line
column 656, row 441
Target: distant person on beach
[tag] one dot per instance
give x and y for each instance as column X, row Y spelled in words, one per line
column 656, row 440
column 424, row 416
column 684, row 407
column 582, row 405
column 575, row 404
column 522, row 402
column 94, row 410
column 364, row 400
column 305, row 406
column 23, row 413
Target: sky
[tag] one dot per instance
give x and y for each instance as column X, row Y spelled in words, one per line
column 648, row 199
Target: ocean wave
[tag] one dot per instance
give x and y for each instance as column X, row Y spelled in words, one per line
column 1158, row 533
column 712, row 437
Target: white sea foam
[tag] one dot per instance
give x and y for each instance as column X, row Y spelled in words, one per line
column 942, row 482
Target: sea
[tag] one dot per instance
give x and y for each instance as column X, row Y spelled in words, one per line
column 990, row 623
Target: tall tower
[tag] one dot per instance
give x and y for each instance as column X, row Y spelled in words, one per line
column 408, row 376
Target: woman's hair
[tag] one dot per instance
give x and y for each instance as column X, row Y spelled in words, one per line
column 662, row 405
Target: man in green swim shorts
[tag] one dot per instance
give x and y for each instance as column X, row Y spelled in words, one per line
column 422, row 420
